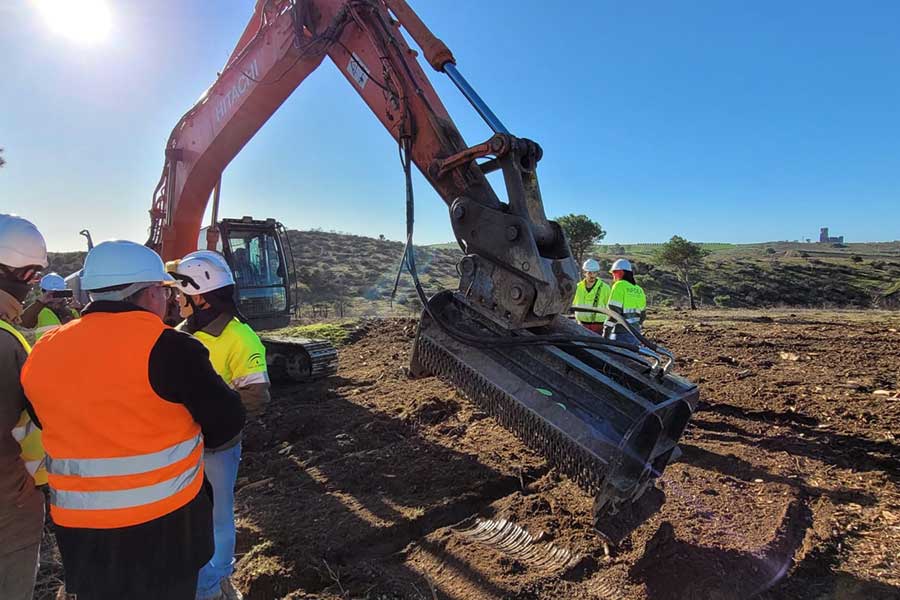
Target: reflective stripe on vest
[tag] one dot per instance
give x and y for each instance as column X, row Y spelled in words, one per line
column 123, row 465
column 130, row 498
column 633, row 314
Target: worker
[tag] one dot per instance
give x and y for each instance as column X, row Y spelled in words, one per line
column 23, row 254
column 206, row 298
column 126, row 405
column 48, row 312
column 52, row 308
column 591, row 292
column 628, row 300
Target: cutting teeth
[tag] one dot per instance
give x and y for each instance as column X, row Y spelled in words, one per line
column 569, row 458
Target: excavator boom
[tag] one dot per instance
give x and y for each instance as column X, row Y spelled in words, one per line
column 607, row 414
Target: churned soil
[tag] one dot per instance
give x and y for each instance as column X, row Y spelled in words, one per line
column 364, row 485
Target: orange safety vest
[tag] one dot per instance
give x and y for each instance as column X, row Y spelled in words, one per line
column 117, row 454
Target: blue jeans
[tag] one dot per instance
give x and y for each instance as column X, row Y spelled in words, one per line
column 221, row 470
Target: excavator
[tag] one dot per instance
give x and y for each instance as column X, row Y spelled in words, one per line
column 606, row 414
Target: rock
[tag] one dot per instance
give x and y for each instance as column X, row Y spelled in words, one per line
column 344, row 439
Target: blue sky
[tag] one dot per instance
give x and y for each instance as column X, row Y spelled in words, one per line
column 717, row 121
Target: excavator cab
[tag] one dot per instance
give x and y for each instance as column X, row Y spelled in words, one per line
column 255, row 250
column 262, row 262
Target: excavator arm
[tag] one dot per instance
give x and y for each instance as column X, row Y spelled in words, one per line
column 607, row 414
column 523, row 270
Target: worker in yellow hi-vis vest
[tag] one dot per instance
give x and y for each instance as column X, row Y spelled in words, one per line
column 207, row 302
column 22, row 255
column 628, row 300
column 591, row 292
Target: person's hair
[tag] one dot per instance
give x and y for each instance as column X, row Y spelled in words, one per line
column 629, row 277
column 222, row 300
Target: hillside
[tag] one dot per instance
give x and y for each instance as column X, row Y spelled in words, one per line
column 355, row 274
column 360, row 271
column 776, row 273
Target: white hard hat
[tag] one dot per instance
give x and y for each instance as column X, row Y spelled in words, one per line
column 53, row 282
column 120, row 262
column 591, row 266
column 202, row 271
column 21, row 244
column 622, row 264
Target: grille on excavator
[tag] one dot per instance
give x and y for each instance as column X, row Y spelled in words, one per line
column 606, row 418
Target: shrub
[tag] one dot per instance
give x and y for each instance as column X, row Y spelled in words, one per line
column 804, row 254
column 722, row 300
column 702, row 290
column 856, row 258
column 770, row 250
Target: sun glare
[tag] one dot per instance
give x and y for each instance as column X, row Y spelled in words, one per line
column 83, row 21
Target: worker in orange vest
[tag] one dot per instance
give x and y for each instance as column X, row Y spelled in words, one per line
column 126, row 405
column 22, row 255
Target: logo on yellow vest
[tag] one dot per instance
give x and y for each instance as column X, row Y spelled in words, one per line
column 255, row 360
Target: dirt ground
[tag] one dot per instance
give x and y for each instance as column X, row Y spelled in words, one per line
column 367, row 485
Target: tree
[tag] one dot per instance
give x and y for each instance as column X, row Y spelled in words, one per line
column 582, row 234
column 684, row 258
column 2, row 162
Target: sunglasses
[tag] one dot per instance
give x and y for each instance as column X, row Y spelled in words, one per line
column 30, row 274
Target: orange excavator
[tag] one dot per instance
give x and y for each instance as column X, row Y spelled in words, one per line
column 607, row 414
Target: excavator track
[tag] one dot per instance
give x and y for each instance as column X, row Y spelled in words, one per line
column 606, row 420
column 292, row 359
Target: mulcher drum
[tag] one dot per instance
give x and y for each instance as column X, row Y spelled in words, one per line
column 602, row 417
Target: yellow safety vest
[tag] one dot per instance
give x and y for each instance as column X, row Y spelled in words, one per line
column 237, row 355
column 629, row 300
column 48, row 321
column 596, row 297
column 25, row 432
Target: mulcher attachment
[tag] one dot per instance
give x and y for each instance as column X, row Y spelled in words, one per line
column 610, row 419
